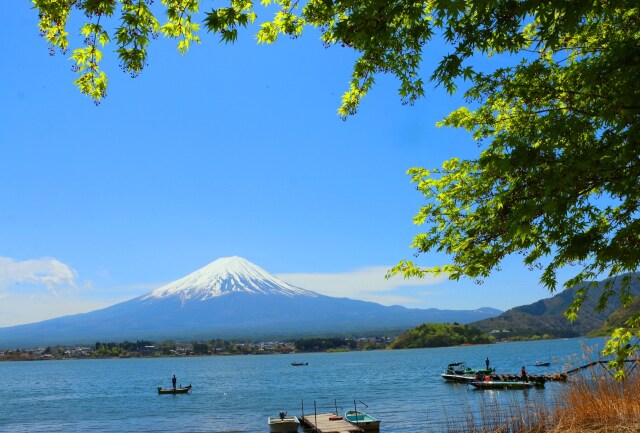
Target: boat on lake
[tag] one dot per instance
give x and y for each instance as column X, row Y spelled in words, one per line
column 364, row 421
column 283, row 423
column 542, row 363
column 463, row 378
column 461, row 368
column 183, row 390
column 459, row 372
column 298, row 364
column 501, row 384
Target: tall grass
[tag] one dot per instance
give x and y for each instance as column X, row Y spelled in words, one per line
column 596, row 403
column 504, row 418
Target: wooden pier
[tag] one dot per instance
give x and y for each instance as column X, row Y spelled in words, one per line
column 328, row 423
column 561, row 377
column 634, row 363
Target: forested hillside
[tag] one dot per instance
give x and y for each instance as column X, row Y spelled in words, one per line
column 546, row 316
column 440, row 335
column 617, row 319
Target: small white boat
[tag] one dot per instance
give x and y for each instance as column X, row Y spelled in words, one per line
column 459, row 372
column 464, row 378
column 283, row 423
column 364, row 421
column 542, row 363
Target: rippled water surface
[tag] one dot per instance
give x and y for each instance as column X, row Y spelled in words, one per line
column 403, row 388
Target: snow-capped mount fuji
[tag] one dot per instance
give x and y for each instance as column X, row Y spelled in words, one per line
column 224, row 276
column 229, row 298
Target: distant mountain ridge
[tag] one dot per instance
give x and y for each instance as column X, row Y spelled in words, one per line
column 229, row 298
column 546, row 316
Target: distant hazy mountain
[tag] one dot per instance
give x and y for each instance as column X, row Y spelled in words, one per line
column 228, row 298
column 547, row 315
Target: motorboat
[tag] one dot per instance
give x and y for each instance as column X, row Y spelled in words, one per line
column 464, row 378
column 461, row 368
column 459, row 372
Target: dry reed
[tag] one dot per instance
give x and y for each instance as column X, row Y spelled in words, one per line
column 596, row 403
column 592, row 403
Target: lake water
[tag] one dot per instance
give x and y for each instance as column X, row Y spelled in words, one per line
column 403, row 388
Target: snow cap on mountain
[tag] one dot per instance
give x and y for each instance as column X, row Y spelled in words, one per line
column 224, row 276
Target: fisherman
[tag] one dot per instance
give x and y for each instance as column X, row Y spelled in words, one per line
column 523, row 373
column 487, row 362
column 173, row 381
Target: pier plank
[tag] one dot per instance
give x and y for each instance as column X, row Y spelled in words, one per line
column 329, row 423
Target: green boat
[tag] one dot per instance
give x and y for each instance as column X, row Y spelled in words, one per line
column 364, row 421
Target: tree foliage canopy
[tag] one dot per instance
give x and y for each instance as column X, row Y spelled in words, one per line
column 558, row 173
column 440, row 335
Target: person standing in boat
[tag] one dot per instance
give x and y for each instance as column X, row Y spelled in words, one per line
column 174, row 380
column 523, row 373
column 487, row 362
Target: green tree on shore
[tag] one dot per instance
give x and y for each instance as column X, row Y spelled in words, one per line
column 440, row 335
column 556, row 180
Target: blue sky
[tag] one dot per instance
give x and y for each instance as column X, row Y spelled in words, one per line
column 229, row 150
